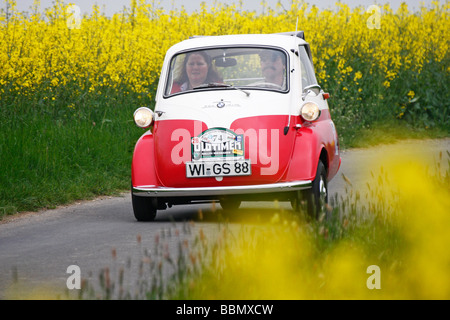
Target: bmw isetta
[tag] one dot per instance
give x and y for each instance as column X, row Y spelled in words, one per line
column 237, row 118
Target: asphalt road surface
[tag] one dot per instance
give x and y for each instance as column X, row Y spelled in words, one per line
column 37, row 248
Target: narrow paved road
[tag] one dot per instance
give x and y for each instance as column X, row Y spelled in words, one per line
column 37, row 248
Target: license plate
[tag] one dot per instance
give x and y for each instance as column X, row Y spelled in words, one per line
column 197, row 169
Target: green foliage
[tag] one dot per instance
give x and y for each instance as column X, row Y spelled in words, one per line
column 57, row 147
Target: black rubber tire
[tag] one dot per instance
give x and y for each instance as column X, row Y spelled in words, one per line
column 318, row 195
column 144, row 208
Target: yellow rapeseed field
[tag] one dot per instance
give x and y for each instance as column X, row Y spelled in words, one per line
column 96, row 51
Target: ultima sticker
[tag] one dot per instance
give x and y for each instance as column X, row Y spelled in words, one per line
column 217, row 142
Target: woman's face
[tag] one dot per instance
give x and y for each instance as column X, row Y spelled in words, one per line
column 196, row 69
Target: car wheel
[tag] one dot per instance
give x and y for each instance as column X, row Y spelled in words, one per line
column 318, row 194
column 230, row 204
column 144, row 208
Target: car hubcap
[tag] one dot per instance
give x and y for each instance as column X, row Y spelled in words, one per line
column 323, row 192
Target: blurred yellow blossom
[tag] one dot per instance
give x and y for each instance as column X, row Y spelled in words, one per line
column 358, row 75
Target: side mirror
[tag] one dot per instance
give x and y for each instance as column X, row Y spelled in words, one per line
column 225, row 62
column 313, row 89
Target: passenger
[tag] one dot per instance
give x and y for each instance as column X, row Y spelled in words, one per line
column 197, row 70
column 273, row 66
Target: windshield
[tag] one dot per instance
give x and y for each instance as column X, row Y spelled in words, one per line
column 227, row 68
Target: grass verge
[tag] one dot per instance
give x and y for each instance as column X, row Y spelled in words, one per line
column 54, row 152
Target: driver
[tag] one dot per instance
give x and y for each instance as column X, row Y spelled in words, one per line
column 197, row 70
column 273, row 67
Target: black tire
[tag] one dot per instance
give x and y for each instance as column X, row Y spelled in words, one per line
column 144, row 208
column 314, row 198
column 318, row 195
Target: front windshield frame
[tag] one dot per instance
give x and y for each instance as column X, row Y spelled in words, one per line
column 247, row 52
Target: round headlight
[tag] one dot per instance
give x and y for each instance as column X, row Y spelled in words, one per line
column 143, row 117
column 310, row 111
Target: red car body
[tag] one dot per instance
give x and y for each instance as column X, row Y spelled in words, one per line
column 240, row 139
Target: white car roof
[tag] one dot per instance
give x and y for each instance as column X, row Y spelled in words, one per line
column 284, row 40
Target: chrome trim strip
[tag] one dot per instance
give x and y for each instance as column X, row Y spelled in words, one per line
column 155, row 191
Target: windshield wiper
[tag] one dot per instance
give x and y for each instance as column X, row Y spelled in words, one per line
column 219, row 85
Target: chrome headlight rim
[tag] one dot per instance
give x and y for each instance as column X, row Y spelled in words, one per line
column 143, row 117
column 310, row 111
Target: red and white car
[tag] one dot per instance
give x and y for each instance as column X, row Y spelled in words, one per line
column 256, row 127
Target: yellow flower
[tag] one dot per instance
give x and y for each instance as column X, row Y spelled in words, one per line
column 358, row 75
column 125, row 52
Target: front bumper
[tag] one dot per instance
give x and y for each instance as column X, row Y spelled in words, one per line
column 163, row 192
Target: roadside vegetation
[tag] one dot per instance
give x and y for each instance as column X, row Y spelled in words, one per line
column 398, row 224
column 68, row 88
